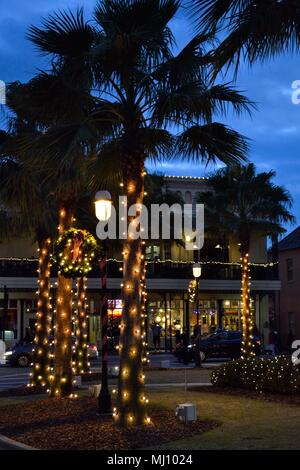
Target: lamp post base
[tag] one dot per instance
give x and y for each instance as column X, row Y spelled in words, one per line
column 104, row 403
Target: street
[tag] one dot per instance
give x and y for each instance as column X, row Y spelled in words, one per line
column 11, row 377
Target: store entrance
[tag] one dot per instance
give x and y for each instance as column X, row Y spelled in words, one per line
column 114, row 324
column 205, row 317
column 231, row 315
column 166, row 323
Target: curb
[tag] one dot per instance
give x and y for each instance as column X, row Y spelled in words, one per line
column 10, row 444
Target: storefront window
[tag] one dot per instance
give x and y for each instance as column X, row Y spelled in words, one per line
column 232, row 315
column 10, row 322
column 206, row 316
column 114, row 320
column 165, row 318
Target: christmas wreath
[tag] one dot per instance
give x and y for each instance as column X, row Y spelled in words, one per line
column 74, row 252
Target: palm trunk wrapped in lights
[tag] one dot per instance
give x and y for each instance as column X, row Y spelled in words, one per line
column 131, row 396
column 81, row 355
column 145, row 359
column 247, row 349
column 62, row 377
column 41, row 356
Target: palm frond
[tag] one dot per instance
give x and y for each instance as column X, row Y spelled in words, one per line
column 64, row 33
column 252, row 35
column 211, row 143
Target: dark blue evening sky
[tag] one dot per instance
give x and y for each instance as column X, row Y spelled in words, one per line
column 274, row 129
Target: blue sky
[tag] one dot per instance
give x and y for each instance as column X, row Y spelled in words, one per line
column 274, row 129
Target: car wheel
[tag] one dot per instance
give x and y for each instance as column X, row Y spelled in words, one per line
column 202, row 356
column 23, row 361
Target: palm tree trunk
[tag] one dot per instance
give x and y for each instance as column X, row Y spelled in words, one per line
column 81, row 357
column 247, row 321
column 131, row 397
column 145, row 359
column 62, row 381
column 41, row 356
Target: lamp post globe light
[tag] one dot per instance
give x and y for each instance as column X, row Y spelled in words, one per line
column 196, row 270
column 103, row 203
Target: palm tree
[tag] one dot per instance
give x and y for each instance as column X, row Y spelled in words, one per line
column 141, row 92
column 240, row 202
column 32, row 213
column 256, row 30
column 147, row 91
column 61, row 98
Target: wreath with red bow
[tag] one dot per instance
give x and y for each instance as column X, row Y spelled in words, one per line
column 75, row 252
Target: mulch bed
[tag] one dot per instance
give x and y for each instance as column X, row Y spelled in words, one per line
column 240, row 392
column 65, row 424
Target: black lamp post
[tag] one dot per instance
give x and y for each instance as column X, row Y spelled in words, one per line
column 103, row 212
column 197, row 274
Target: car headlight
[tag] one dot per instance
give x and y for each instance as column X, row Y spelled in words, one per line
column 190, row 346
column 8, row 353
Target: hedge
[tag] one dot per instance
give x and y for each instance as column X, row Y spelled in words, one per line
column 273, row 375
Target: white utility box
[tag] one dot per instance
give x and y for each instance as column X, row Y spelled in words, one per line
column 94, row 390
column 186, row 412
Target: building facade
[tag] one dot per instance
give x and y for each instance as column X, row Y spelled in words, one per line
column 289, row 275
column 169, row 271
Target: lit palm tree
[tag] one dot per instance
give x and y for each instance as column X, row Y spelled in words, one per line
column 255, row 30
column 153, row 91
column 142, row 92
column 61, row 99
column 31, row 213
column 240, row 203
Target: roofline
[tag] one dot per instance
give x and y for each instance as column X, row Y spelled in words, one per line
column 287, row 236
column 194, row 178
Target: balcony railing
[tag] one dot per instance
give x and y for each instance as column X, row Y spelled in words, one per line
column 159, row 269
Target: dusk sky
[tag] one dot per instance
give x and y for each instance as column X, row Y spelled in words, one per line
column 274, row 129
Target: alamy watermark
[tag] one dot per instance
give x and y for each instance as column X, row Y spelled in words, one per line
column 296, row 353
column 2, row 92
column 159, row 222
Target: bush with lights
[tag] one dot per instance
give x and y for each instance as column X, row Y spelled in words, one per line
column 270, row 375
column 75, row 251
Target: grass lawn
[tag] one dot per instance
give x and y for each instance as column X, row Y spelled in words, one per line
column 246, row 423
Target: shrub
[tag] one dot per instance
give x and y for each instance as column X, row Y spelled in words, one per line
column 273, row 375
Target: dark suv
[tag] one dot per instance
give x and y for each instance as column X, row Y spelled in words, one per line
column 222, row 343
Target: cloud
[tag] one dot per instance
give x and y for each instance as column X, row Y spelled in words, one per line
column 289, row 130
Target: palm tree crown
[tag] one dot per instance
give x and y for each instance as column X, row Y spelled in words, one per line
column 256, row 29
column 242, row 201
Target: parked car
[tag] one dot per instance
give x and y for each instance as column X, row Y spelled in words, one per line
column 21, row 354
column 222, row 343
